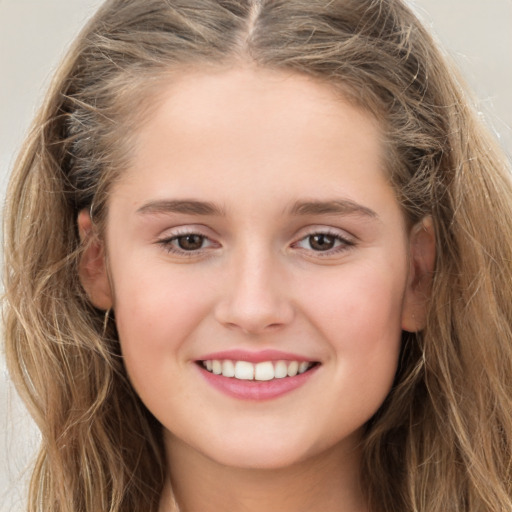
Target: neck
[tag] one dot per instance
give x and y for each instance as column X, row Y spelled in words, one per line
column 328, row 482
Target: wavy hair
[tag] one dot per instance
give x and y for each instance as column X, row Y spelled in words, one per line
column 443, row 438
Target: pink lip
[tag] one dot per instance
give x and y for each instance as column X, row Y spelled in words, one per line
column 254, row 357
column 253, row 389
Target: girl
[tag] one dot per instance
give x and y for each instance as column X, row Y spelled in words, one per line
column 258, row 258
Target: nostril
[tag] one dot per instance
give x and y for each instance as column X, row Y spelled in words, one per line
column 253, row 317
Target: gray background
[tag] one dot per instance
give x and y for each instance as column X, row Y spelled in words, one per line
column 34, row 34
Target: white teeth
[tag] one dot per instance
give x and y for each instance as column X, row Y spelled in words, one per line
column 281, row 370
column 228, row 368
column 293, row 368
column 303, row 366
column 244, row 370
column 216, row 367
column 266, row 370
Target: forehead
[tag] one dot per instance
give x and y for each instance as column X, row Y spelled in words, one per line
column 194, row 94
column 254, row 104
column 245, row 130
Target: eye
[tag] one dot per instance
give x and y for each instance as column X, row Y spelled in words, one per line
column 186, row 243
column 324, row 242
column 321, row 242
column 190, row 242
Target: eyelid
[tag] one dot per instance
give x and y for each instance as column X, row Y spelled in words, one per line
column 166, row 241
column 315, row 229
column 347, row 240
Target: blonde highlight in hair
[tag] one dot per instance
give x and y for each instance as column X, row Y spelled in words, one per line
column 443, row 438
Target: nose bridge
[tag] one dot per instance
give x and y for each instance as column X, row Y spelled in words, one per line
column 255, row 297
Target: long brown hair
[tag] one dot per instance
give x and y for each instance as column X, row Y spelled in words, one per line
column 443, row 438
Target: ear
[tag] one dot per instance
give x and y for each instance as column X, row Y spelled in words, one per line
column 92, row 267
column 422, row 254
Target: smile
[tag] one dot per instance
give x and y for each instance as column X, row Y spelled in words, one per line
column 262, row 371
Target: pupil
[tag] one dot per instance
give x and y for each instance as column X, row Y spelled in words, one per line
column 190, row 242
column 321, row 242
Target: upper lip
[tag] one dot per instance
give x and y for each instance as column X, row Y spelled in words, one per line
column 254, row 357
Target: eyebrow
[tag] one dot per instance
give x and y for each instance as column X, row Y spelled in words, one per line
column 334, row 207
column 193, row 207
column 186, row 206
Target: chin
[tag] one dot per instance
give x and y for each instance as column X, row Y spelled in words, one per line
column 258, row 460
column 264, row 454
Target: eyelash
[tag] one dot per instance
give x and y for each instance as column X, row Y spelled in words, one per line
column 168, row 244
column 344, row 243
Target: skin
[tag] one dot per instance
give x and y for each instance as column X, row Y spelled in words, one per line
column 254, row 144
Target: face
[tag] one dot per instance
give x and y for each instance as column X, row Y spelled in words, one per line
column 259, row 268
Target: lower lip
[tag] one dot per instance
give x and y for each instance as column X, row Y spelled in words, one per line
column 255, row 389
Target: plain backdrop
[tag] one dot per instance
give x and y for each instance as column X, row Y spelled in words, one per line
column 34, row 35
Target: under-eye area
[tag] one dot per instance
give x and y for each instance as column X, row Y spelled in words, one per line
column 265, row 370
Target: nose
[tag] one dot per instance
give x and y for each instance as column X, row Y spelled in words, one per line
column 254, row 298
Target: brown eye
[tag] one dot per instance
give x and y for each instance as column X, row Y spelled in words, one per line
column 190, row 242
column 321, row 242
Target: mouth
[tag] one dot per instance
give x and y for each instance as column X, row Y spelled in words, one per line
column 261, row 371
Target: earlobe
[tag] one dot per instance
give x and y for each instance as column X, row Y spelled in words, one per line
column 92, row 267
column 422, row 254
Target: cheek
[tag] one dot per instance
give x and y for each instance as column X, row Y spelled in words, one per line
column 358, row 309
column 360, row 317
column 156, row 314
column 157, row 299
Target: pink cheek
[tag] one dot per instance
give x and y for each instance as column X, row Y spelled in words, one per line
column 358, row 311
column 161, row 310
